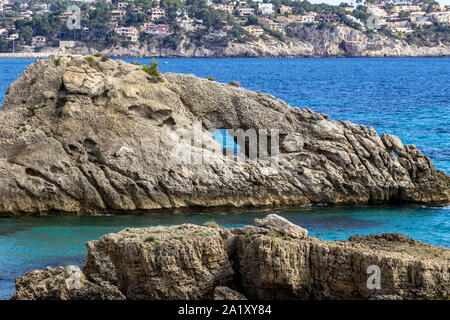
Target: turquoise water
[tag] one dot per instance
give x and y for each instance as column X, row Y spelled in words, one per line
column 30, row 243
column 406, row 97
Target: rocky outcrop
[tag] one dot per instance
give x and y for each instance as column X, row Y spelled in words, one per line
column 276, row 268
column 303, row 41
column 181, row 262
column 85, row 136
column 63, row 283
column 193, row 262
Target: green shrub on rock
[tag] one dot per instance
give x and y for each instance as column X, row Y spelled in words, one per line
column 274, row 233
column 150, row 238
column 211, row 224
column 153, row 70
column 93, row 63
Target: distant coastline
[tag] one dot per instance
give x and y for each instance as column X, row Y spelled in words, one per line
column 40, row 55
column 24, row 55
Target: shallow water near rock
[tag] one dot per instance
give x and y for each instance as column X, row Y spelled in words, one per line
column 29, row 243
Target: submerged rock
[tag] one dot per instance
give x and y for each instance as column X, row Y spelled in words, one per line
column 192, row 262
column 86, row 136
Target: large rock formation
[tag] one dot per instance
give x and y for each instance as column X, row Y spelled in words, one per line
column 192, row 262
column 89, row 135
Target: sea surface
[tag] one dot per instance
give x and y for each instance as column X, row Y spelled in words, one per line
column 408, row 97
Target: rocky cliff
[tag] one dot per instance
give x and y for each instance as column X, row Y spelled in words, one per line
column 82, row 136
column 276, row 260
column 304, row 41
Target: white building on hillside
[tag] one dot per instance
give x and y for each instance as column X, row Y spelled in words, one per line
column 265, row 8
column 158, row 13
column 254, row 30
column 38, row 41
column 245, row 12
column 130, row 33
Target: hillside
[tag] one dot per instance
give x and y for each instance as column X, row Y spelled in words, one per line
column 222, row 28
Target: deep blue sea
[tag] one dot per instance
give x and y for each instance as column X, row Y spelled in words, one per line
column 407, row 97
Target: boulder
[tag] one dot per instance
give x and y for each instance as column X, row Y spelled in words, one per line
column 293, row 142
column 282, row 225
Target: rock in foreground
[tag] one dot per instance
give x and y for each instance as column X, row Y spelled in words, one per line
column 192, row 262
column 86, row 135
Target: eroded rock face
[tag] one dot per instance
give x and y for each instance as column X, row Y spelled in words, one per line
column 82, row 139
column 192, row 262
column 63, row 283
column 181, row 262
column 274, row 268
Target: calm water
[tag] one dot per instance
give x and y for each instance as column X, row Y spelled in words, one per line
column 406, row 97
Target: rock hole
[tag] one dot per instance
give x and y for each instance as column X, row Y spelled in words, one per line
column 169, row 121
column 62, row 88
column 61, row 102
column 73, row 148
column 229, row 145
column 89, row 143
column 32, row 172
